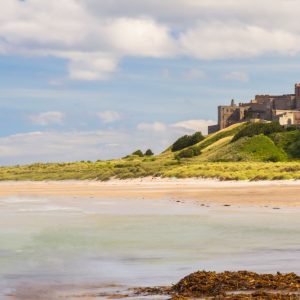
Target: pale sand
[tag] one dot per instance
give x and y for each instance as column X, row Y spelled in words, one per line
column 263, row 193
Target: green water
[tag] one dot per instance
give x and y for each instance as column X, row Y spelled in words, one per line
column 86, row 241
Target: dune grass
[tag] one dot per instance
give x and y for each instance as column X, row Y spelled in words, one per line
column 258, row 157
column 159, row 167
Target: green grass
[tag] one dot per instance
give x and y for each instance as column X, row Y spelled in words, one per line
column 230, row 131
column 259, row 148
column 256, row 148
column 285, row 139
column 259, row 157
column 139, row 167
column 160, row 167
column 288, row 141
column 237, row 170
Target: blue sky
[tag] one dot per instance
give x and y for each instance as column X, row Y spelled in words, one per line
column 108, row 78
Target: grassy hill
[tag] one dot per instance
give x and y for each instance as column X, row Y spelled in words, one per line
column 239, row 152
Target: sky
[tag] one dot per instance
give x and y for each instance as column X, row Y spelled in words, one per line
column 98, row 79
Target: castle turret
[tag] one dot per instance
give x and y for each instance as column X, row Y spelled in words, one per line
column 297, row 94
column 263, row 107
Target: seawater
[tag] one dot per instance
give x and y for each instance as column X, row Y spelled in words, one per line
column 88, row 243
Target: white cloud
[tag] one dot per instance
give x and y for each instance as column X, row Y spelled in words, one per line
column 235, row 40
column 93, row 36
column 59, row 146
column 47, row 118
column 194, row 125
column 156, row 126
column 140, row 37
column 235, row 75
column 52, row 146
column 109, row 116
column 69, row 29
column 90, row 66
column 47, row 146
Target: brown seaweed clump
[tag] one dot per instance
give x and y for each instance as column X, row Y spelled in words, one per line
column 260, row 296
column 244, row 284
column 251, row 296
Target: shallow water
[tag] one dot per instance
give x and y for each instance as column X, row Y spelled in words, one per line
column 87, row 246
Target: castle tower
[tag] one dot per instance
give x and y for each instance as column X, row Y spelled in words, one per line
column 297, row 94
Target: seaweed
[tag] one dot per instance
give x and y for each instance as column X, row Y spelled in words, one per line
column 241, row 285
column 204, row 283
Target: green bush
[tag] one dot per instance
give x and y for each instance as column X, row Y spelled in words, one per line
column 294, row 149
column 138, row 153
column 196, row 138
column 258, row 128
column 292, row 128
column 149, row 153
column 187, row 140
column 188, row 153
column 289, row 141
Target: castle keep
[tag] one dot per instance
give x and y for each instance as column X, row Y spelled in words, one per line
column 283, row 108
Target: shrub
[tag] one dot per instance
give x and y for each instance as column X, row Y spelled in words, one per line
column 289, row 141
column 294, row 149
column 188, row 153
column 187, row 140
column 196, row 138
column 149, row 153
column 292, row 128
column 138, row 153
column 258, row 128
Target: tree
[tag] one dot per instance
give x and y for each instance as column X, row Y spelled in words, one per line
column 187, row 140
column 149, row 152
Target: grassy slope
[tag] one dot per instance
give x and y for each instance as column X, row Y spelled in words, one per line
column 289, row 142
column 256, row 148
column 244, row 159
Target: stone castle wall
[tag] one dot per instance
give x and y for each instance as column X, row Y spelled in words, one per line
column 263, row 107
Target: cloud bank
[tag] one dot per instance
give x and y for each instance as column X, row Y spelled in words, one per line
column 93, row 36
column 54, row 146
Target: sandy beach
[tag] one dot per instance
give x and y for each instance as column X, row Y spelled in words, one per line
column 262, row 193
column 136, row 233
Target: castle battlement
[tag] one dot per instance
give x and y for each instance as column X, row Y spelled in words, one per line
column 262, row 107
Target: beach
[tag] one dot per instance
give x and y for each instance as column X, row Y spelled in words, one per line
column 259, row 193
column 141, row 232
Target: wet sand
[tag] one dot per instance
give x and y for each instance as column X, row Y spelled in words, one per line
column 262, row 193
column 118, row 238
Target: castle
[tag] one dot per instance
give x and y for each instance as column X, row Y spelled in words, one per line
column 283, row 108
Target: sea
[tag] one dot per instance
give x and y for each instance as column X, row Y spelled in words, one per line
column 99, row 248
